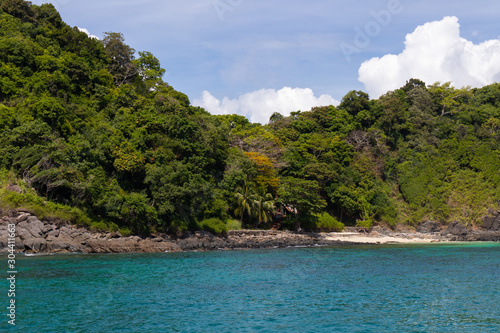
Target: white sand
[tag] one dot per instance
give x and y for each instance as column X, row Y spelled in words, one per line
column 378, row 239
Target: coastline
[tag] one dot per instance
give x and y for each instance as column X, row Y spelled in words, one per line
column 35, row 236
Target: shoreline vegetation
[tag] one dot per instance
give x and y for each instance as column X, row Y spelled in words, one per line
column 91, row 136
column 36, row 237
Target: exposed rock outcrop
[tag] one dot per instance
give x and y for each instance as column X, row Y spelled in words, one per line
column 35, row 236
column 428, row 227
column 456, row 229
column 491, row 223
column 488, row 232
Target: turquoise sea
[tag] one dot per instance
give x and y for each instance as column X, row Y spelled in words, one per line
column 389, row 288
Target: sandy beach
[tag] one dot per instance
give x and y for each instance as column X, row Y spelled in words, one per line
column 376, row 238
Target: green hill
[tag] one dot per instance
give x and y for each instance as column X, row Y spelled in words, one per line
column 90, row 132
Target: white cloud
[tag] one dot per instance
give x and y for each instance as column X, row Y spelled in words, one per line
column 259, row 105
column 434, row 52
column 88, row 33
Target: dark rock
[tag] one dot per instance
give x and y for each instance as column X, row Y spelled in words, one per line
column 382, row 230
column 428, row 227
column 491, row 223
column 456, row 229
column 489, row 237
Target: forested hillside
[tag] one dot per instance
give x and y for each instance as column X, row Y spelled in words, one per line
column 90, row 132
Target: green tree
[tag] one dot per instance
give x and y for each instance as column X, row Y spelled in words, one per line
column 180, row 194
column 413, row 84
column 18, row 8
column 449, row 99
column 245, row 197
column 121, row 58
column 149, row 69
column 355, row 102
column 275, row 117
column 303, row 195
column 264, row 206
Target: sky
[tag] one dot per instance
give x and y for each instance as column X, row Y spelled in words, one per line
column 257, row 57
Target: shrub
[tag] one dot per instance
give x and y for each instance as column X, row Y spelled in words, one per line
column 233, row 225
column 125, row 232
column 365, row 224
column 214, row 225
column 99, row 226
column 41, row 208
column 307, row 223
column 328, row 223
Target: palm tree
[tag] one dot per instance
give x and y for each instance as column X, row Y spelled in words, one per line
column 264, row 204
column 246, row 200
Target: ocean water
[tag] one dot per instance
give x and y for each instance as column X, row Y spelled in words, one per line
column 389, row 288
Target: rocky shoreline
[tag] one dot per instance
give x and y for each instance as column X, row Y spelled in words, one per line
column 36, row 236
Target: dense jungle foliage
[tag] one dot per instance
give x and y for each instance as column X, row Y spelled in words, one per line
column 90, row 132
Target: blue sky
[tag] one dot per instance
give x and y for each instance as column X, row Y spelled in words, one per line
column 254, row 57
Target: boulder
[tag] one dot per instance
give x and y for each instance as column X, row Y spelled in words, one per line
column 456, row 229
column 67, row 232
column 486, row 237
column 428, row 227
column 48, row 228
column 53, row 233
column 115, row 234
column 32, row 219
column 35, row 228
column 19, row 244
column 36, row 244
column 491, row 223
column 58, row 246
column 22, row 217
column 24, row 234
